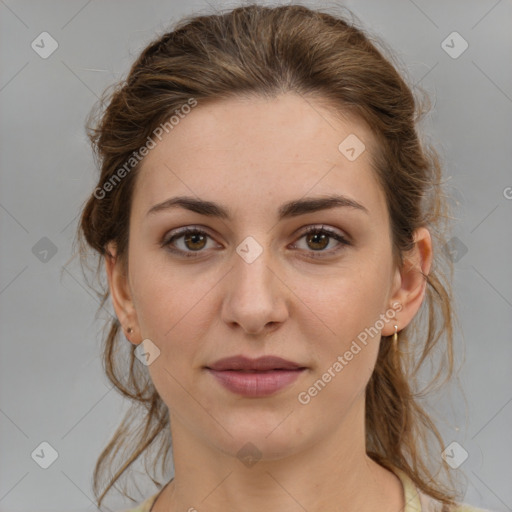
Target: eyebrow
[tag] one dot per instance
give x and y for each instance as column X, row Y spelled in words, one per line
column 286, row 211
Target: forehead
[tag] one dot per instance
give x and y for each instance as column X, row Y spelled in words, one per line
column 255, row 151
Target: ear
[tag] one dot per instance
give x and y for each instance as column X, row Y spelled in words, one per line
column 121, row 294
column 409, row 282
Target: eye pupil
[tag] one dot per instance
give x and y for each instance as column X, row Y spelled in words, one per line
column 192, row 237
column 316, row 236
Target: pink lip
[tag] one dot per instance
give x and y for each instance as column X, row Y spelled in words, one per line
column 259, row 377
column 255, row 383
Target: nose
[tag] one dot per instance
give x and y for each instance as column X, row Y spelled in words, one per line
column 255, row 296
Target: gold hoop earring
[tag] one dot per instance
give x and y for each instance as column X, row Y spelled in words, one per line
column 395, row 339
column 395, row 352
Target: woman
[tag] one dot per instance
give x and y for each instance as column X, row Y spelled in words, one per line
column 269, row 221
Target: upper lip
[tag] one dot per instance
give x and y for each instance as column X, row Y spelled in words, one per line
column 260, row 364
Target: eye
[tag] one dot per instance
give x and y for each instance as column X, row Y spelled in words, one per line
column 318, row 239
column 194, row 240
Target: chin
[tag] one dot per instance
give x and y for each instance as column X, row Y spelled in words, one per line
column 265, row 437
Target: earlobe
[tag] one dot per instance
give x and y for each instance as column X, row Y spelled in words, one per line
column 120, row 292
column 412, row 280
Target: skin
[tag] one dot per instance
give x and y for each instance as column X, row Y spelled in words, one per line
column 252, row 155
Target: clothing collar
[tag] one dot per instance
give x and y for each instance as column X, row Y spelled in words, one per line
column 415, row 500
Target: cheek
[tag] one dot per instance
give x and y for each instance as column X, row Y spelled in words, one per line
column 167, row 297
column 348, row 301
column 174, row 311
column 345, row 359
column 342, row 318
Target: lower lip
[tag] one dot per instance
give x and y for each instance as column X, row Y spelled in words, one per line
column 255, row 384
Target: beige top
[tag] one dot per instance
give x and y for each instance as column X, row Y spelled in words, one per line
column 415, row 500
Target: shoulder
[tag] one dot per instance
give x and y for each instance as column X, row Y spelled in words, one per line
column 464, row 507
column 468, row 508
column 429, row 504
column 144, row 506
column 417, row 501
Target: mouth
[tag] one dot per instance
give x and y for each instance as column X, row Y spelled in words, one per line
column 261, row 364
column 255, row 378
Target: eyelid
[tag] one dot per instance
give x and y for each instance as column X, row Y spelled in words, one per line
column 323, row 228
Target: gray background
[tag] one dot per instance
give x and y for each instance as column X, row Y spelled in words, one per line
column 52, row 386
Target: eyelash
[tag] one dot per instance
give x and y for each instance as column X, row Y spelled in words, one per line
column 311, row 229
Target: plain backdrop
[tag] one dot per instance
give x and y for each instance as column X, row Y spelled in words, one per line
column 52, row 386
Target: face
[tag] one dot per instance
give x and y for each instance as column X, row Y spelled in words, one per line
column 254, row 282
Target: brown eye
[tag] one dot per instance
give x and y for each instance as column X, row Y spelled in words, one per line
column 193, row 241
column 318, row 238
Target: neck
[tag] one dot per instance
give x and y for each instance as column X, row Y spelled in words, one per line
column 332, row 474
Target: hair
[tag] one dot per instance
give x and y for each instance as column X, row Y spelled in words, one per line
column 263, row 51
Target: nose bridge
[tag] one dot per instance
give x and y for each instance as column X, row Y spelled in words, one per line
column 253, row 273
column 254, row 293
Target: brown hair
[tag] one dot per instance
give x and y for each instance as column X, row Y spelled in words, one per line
column 257, row 50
